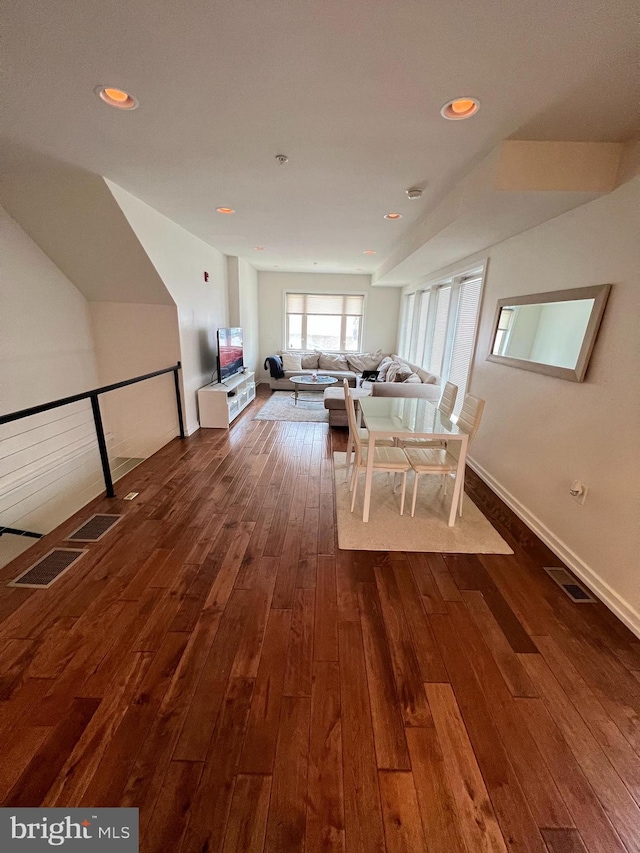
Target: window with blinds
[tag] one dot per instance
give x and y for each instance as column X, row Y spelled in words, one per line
column 434, row 351
column 416, row 354
column 442, row 335
column 324, row 321
column 464, row 332
column 406, row 325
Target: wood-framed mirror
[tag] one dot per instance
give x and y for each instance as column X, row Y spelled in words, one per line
column 552, row 333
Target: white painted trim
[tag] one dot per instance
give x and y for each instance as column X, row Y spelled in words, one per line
column 190, row 428
column 622, row 609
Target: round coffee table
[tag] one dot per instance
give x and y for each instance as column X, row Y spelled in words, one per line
column 319, row 383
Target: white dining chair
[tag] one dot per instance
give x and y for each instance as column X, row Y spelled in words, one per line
column 445, row 406
column 425, row 460
column 363, row 433
column 391, row 460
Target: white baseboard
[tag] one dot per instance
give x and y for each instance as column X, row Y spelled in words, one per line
column 622, row 609
column 191, row 428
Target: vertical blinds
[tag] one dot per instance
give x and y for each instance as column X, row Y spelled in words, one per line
column 465, row 328
column 439, row 338
column 351, row 304
column 421, row 335
column 407, row 322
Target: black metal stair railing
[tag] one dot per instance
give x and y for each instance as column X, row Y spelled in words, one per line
column 97, row 417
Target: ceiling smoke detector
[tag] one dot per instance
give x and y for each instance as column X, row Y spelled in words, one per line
column 414, row 192
column 281, row 159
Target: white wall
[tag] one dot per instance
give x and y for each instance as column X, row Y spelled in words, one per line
column 381, row 308
column 181, row 260
column 49, row 464
column 540, row 433
column 131, row 340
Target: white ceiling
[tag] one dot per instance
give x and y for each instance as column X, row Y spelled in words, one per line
column 350, row 90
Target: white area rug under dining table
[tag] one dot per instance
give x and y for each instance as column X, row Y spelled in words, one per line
column 387, row 530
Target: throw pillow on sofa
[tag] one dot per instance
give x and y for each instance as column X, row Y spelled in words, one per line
column 383, row 367
column 309, row 360
column 332, row 362
column 361, row 361
column 413, row 378
column 394, row 369
column 291, row 361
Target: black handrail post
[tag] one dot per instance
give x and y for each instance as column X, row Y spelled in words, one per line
column 178, row 400
column 102, row 446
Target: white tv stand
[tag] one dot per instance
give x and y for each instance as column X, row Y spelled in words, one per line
column 217, row 409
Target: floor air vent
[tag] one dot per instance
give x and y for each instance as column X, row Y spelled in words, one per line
column 48, row 568
column 95, row 528
column 576, row 592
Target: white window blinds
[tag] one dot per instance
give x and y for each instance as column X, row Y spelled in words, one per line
column 464, row 336
column 435, row 353
column 351, row 304
column 420, row 338
column 406, row 325
column 325, row 321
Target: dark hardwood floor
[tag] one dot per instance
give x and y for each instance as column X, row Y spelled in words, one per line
column 219, row 663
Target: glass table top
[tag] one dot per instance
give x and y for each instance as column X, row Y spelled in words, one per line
column 406, row 415
column 309, row 380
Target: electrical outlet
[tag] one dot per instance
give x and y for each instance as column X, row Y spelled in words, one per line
column 578, row 491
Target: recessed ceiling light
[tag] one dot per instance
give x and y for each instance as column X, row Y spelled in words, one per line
column 117, row 98
column 414, row 193
column 369, row 252
column 225, row 210
column 393, row 216
column 460, row 108
column 259, row 248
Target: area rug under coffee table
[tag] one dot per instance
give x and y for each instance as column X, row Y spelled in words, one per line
column 280, row 407
column 387, row 530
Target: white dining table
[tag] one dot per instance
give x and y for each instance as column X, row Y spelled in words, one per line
column 402, row 417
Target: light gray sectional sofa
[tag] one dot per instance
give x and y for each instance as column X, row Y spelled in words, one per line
column 337, row 365
column 398, row 378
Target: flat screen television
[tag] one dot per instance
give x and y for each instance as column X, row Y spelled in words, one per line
column 230, row 355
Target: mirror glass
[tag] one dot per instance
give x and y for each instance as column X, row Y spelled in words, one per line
column 546, row 333
column 552, row 333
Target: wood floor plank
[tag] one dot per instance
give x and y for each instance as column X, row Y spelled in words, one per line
column 239, row 625
column 247, row 823
column 602, row 727
column 402, row 824
column 386, row 711
column 297, row 680
column 469, row 573
column 512, row 670
column 259, row 749
column 211, row 804
column 325, row 798
column 425, row 582
column 287, row 810
column 173, row 807
column 622, row 810
column 415, row 709
column 477, row 820
column 325, row 639
column 563, row 841
column 542, row 796
column 435, row 798
column 83, row 760
column 509, row 801
column 585, row 808
column 432, row 666
column 364, row 831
